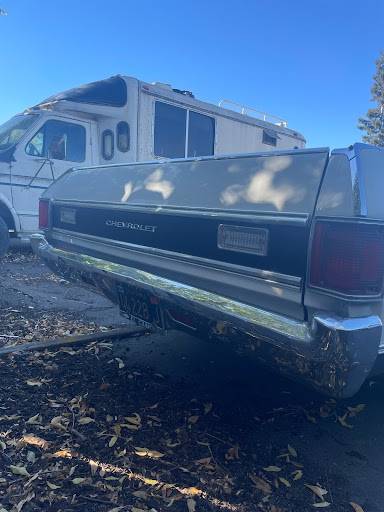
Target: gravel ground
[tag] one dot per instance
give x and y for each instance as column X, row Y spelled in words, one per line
column 166, row 423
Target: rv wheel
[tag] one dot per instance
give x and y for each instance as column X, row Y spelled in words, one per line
column 4, row 237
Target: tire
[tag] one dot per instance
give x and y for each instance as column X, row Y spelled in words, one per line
column 4, row 237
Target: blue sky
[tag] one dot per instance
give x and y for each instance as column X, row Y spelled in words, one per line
column 310, row 62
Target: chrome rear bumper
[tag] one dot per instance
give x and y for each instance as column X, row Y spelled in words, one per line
column 333, row 355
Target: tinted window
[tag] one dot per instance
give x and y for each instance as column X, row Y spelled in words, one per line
column 201, row 135
column 58, row 140
column 269, row 137
column 112, row 92
column 122, row 136
column 170, row 124
column 107, row 144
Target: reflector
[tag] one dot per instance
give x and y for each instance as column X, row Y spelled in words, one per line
column 43, row 214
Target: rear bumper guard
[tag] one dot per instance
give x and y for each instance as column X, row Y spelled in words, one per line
column 333, row 355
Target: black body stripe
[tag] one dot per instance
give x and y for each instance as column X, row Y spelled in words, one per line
column 287, row 246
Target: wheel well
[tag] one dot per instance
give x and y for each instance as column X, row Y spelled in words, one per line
column 7, row 216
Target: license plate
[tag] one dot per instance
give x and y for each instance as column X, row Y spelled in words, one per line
column 243, row 239
column 140, row 306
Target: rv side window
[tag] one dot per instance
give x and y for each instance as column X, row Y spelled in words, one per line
column 201, row 135
column 123, row 136
column 270, row 137
column 58, row 140
column 107, row 144
column 170, row 128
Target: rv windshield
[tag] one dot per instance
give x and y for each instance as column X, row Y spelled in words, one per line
column 12, row 131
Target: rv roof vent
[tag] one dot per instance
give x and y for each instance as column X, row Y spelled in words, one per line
column 185, row 93
column 163, row 85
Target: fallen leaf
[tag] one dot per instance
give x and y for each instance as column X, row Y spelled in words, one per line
column 316, row 489
column 112, row 441
column 321, row 504
column 35, row 441
column 79, row 480
column 140, row 494
column 284, row 481
column 94, row 466
column 191, row 491
column 34, row 420
column 63, row 454
column 272, row 469
column 60, row 422
column 297, row 474
column 356, row 507
column 204, row 461
column 355, row 410
column 193, row 419
column 31, row 457
column 135, row 419
column 85, row 420
column 72, row 470
column 145, row 452
column 292, row 451
column 343, row 421
column 232, row 453
column 34, row 382
column 150, row 481
column 261, row 484
column 53, row 486
column 19, row 470
column 120, row 362
column 191, row 504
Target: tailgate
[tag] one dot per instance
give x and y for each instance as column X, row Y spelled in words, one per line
column 237, row 226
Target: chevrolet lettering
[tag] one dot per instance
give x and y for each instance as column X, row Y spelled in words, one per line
column 130, row 225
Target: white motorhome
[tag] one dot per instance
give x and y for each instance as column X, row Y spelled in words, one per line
column 119, row 119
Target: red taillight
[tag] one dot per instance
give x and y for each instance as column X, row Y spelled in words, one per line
column 43, row 214
column 348, row 257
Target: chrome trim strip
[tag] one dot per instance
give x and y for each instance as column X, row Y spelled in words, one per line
column 267, row 275
column 256, row 218
column 348, row 324
column 381, row 347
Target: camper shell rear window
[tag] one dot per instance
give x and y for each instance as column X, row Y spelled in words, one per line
column 111, row 92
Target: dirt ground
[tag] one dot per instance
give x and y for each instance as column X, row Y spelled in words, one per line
column 157, row 423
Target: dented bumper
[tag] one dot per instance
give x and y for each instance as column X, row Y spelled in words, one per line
column 333, row 355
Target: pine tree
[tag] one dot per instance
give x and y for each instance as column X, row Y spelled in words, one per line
column 373, row 123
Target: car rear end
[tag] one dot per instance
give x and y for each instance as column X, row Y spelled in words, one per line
column 271, row 251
